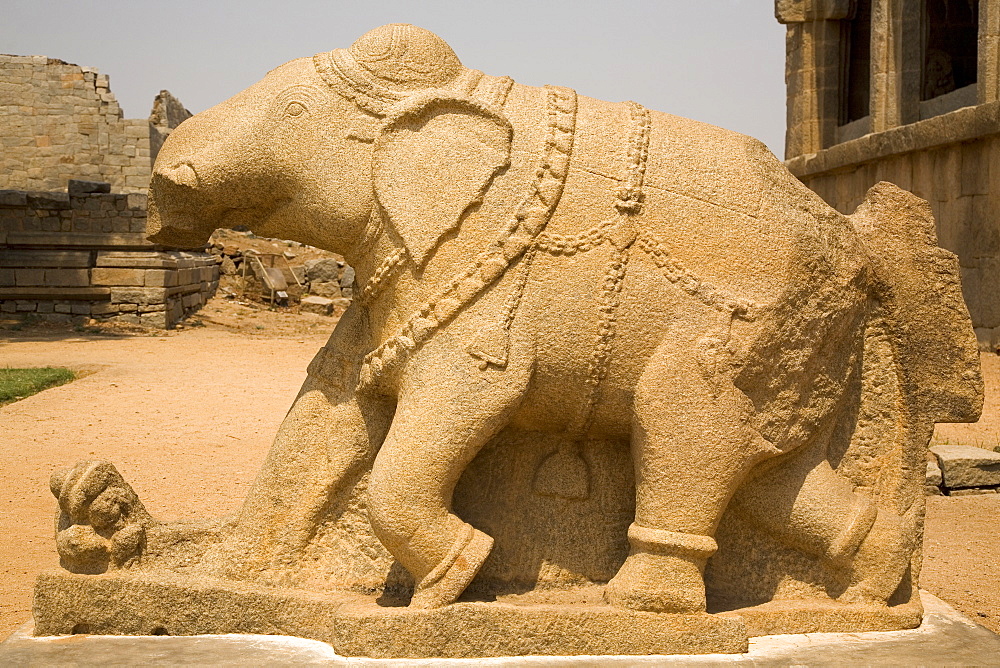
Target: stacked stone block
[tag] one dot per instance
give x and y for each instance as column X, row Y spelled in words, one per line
column 60, row 121
column 85, row 255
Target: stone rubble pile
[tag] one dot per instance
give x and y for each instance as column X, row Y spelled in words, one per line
column 330, row 278
column 326, row 284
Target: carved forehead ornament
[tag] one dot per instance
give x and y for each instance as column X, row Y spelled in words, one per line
column 392, row 62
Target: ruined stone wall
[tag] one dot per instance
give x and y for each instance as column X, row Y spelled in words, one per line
column 85, row 255
column 60, row 121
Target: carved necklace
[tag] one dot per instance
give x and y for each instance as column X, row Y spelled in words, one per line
column 516, row 237
column 380, row 277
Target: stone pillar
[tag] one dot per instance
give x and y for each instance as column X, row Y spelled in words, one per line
column 886, row 50
column 988, row 74
column 812, row 71
column 910, row 63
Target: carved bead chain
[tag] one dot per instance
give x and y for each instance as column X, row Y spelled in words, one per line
column 630, row 196
column 629, row 202
column 600, row 356
column 380, row 276
column 687, row 281
column 514, row 301
column 559, row 244
column 496, row 90
column 530, row 219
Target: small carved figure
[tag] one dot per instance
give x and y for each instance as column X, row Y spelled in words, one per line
column 532, row 261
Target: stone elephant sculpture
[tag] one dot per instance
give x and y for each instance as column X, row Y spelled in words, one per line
column 529, row 258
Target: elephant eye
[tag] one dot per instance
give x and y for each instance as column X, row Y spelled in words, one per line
column 295, row 109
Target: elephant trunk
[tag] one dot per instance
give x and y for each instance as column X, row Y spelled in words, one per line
column 169, row 223
column 203, row 176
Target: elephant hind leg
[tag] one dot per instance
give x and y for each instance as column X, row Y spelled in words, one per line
column 809, row 506
column 691, row 447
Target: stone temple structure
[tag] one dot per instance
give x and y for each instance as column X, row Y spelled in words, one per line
column 60, row 121
column 73, row 181
column 906, row 91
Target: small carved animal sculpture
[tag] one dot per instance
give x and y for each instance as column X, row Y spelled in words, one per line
column 534, row 259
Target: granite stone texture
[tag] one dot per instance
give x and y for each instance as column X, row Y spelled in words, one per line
column 945, row 637
column 605, row 369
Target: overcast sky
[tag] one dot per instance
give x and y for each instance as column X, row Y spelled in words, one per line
column 719, row 61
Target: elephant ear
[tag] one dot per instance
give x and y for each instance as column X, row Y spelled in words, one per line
column 436, row 156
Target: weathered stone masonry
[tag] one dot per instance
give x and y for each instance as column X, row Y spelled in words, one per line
column 82, row 254
column 85, row 254
column 60, row 121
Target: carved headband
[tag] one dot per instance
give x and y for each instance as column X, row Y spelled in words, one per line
column 342, row 72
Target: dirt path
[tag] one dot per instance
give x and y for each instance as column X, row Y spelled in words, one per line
column 188, row 417
column 962, row 555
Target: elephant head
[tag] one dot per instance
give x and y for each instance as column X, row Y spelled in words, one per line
column 322, row 146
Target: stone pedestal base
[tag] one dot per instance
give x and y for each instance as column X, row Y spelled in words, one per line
column 944, row 638
column 558, row 623
column 165, row 604
column 784, row 617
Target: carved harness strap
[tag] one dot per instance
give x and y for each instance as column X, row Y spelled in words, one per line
column 523, row 237
column 564, row 473
column 516, row 237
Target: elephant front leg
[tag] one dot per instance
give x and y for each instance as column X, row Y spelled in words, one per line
column 438, row 428
column 691, row 448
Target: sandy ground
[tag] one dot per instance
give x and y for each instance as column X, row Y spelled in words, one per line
column 187, row 418
column 962, row 555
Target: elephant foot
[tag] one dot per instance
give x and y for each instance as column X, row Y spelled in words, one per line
column 102, row 524
column 448, row 580
column 881, row 560
column 663, row 572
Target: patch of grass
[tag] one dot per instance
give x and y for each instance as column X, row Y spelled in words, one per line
column 20, row 383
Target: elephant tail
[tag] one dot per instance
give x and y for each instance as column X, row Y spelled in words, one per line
column 919, row 285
